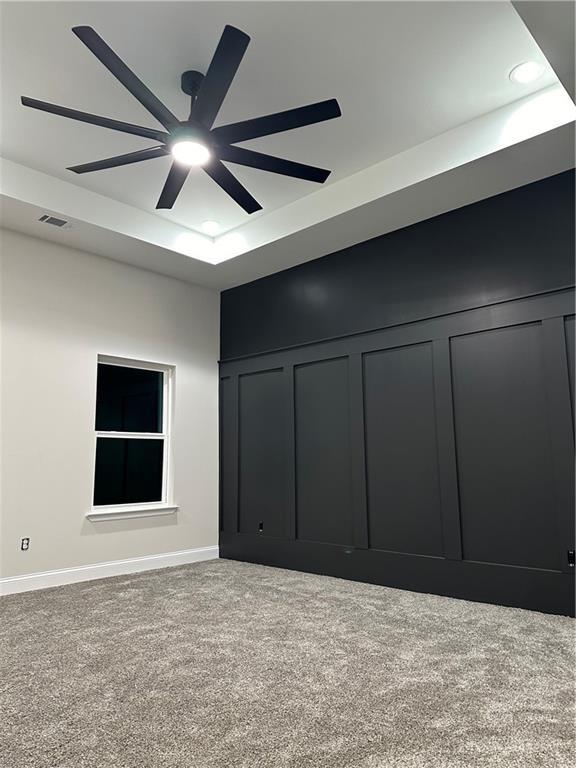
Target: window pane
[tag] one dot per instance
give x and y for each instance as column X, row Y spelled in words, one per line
column 128, row 399
column 128, row 470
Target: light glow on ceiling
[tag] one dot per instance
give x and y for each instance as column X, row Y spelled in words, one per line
column 526, row 72
column 538, row 113
column 190, row 153
column 229, row 246
column 210, row 227
column 198, row 246
column 194, row 245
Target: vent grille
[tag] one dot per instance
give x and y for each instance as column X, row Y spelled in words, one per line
column 47, row 219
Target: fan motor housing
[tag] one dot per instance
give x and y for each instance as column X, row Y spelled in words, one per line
column 188, row 130
column 190, row 82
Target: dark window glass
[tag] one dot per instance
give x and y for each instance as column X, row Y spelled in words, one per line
column 128, row 470
column 128, row 399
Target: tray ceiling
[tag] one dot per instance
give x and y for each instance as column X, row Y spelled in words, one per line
column 405, row 74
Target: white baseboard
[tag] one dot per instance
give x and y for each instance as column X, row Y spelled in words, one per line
column 30, row 581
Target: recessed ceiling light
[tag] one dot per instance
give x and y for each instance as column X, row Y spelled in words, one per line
column 190, row 153
column 526, row 72
column 210, row 227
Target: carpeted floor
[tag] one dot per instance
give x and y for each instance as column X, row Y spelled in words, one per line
column 229, row 665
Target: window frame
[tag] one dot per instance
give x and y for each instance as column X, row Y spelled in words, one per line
column 166, row 505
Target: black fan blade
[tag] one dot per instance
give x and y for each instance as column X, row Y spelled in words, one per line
column 281, row 121
column 174, row 183
column 121, row 72
column 103, row 122
column 218, row 79
column 230, row 184
column 263, row 162
column 114, row 162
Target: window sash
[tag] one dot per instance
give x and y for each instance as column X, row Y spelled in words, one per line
column 167, row 384
column 129, row 435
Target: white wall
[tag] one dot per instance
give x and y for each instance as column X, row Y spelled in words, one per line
column 60, row 308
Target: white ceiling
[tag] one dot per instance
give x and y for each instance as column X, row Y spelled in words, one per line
column 406, row 74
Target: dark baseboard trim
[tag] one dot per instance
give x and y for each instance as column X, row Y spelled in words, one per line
column 530, row 588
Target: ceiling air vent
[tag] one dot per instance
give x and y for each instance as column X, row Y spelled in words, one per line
column 47, row 219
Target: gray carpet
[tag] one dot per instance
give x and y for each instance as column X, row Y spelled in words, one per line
column 226, row 665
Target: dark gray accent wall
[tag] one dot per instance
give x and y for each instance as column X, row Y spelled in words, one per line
column 323, row 479
column 570, row 350
column 504, row 451
column 403, row 488
column 434, row 455
column 515, row 244
column 262, row 452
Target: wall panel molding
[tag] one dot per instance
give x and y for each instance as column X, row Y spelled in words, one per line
column 358, row 450
column 324, row 493
column 452, row 448
column 504, row 447
column 262, row 452
column 557, row 384
column 324, row 391
column 447, row 464
column 402, row 467
column 229, row 453
column 290, row 452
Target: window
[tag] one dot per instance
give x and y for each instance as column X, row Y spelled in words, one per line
column 132, row 438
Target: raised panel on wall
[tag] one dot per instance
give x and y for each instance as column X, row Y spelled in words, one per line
column 323, row 480
column 401, row 451
column 262, row 453
column 507, row 492
column 228, row 518
column 482, row 394
column 570, row 343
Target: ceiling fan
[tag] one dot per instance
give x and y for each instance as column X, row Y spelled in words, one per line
column 194, row 141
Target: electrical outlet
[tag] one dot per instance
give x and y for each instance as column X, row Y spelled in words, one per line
column 25, row 543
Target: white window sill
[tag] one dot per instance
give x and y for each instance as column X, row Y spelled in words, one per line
column 130, row 510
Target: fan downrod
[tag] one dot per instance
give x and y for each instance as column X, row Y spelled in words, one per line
column 190, row 82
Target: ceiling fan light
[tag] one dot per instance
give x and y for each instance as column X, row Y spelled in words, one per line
column 190, row 153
